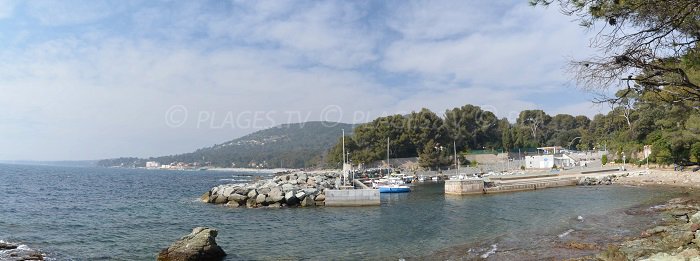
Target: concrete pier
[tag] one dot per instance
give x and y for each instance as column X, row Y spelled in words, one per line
column 522, row 185
column 352, row 198
column 464, row 186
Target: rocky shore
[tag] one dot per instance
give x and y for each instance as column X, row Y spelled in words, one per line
column 18, row 252
column 676, row 238
column 304, row 189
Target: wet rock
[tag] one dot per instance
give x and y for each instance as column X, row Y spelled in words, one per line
column 198, row 245
column 220, row 199
column 250, row 203
column 6, row 246
column 205, row 197
column 320, row 197
column 308, row 202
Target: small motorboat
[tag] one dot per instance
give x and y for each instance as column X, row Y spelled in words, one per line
column 394, row 188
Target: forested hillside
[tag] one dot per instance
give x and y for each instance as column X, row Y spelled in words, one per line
column 289, row 146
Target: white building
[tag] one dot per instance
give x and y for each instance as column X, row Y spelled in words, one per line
column 152, row 165
column 539, row 162
column 548, row 161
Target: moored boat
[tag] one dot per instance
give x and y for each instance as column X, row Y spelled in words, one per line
column 394, row 189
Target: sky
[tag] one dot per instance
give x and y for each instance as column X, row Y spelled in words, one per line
column 90, row 79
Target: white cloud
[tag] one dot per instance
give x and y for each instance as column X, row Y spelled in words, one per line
column 589, row 109
column 98, row 93
column 72, row 12
column 329, row 33
column 7, row 8
column 435, row 20
column 528, row 48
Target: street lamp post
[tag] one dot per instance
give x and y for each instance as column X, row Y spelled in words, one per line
column 624, row 159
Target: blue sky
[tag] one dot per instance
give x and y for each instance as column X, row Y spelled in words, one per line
column 100, row 79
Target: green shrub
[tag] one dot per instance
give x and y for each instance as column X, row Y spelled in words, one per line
column 604, row 159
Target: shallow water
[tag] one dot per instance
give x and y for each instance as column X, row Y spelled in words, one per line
column 127, row 214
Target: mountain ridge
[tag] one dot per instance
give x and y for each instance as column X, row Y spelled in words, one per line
column 293, row 145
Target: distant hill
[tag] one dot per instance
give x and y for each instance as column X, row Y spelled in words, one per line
column 287, row 146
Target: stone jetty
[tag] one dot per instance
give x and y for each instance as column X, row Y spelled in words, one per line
column 295, row 189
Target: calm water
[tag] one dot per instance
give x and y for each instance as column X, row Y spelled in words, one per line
column 123, row 214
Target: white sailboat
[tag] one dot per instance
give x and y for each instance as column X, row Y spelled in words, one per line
column 395, row 187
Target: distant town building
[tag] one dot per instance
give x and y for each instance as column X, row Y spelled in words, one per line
column 152, row 165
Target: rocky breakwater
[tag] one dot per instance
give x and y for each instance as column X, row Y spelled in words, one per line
column 294, row 189
column 600, row 180
column 676, row 238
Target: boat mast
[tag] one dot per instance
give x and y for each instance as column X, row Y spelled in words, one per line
column 456, row 161
column 388, row 166
column 344, row 159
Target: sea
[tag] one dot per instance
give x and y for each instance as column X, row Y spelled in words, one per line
column 85, row 213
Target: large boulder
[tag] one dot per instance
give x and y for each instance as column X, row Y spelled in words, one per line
column 219, row 199
column 321, row 197
column 287, row 187
column 205, row 197
column 237, row 198
column 227, row 191
column 198, row 245
column 276, row 195
column 291, row 199
column 260, row 198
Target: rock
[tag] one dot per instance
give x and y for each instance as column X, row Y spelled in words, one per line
column 7, row 246
column 252, row 193
column 198, row 245
column 227, row 191
column 275, row 205
column 291, row 199
column 308, row 202
column 220, row 199
column 264, row 191
column 241, row 191
column 237, row 198
column 205, row 197
column 293, row 182
column 695, row 219
column 310, row 191
column 300, row 195
column 260, row 198
column 321, row 197
column 663, row 257
column 287, row 187
column 276, row 195
column 311, row 182
column 250, row 203
column 689, row 253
